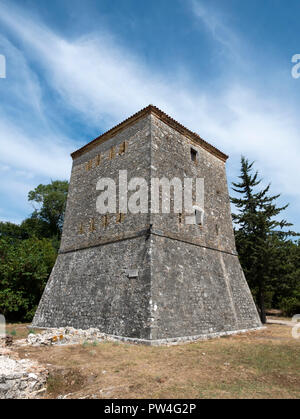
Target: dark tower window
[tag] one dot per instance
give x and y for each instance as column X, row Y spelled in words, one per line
column 194, row 155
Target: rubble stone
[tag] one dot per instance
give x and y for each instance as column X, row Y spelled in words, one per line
column 21, row 379
column 64, row 336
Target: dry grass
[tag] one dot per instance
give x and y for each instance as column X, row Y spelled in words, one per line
column 19, row 330
column 263, row 364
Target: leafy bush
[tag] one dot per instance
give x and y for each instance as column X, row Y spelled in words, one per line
column 290, row 306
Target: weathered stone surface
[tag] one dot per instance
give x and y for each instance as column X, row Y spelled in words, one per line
column 81, row 205
column 195, row 290
column 64, row 336
column 90, row 288
column 21, row 379
column 148, row 277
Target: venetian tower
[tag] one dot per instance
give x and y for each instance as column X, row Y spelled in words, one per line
column 150, row 277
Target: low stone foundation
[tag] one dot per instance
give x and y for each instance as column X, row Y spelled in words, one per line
column 181, row 340
column 50, row 336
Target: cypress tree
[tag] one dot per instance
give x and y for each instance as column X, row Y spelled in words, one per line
column 257, row 232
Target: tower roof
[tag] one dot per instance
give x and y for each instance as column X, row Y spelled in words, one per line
column 151, row 109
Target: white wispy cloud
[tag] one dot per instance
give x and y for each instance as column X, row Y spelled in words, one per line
column 25, row 162
column 41, row 157
column 214, row 23
column 105, row 83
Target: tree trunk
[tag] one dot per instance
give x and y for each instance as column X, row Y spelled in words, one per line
column 261, row 303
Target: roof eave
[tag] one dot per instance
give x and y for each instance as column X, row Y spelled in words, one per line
column 151, row 109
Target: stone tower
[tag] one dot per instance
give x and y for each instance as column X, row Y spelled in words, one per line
column 151, row 277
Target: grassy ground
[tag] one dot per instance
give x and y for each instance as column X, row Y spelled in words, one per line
column 18, row 330
column 262, row 364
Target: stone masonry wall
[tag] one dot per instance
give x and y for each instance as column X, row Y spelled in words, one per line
column 83, row 226
column 147, row 276
column 198, row 286
column 197, row 291
column 171, row 157
column 106, row 287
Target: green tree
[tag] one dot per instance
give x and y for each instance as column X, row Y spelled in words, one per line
column 28, row 251
column 12, row 231
column 24, row 270
column 286, row 285
column 49, row 209
column 258, row 234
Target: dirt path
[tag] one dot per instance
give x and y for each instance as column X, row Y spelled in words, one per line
column 281, row 322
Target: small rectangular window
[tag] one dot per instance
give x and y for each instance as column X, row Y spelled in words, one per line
column 105, row 221
column 98, row 160
column 199, row 217
column 112, row 153
column 81, row 229
column 92, row 226
column 120, row 217
column 194, row 155
column 89, row 165
column 122, row 148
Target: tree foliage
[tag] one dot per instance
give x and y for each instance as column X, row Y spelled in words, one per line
column 262, row 239
column 49, row 208
column 28, row 251
column 24, row 270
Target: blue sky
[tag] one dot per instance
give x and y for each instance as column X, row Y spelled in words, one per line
column 74, row 69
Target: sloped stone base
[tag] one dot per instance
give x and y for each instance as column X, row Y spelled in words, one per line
column 151, row 290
